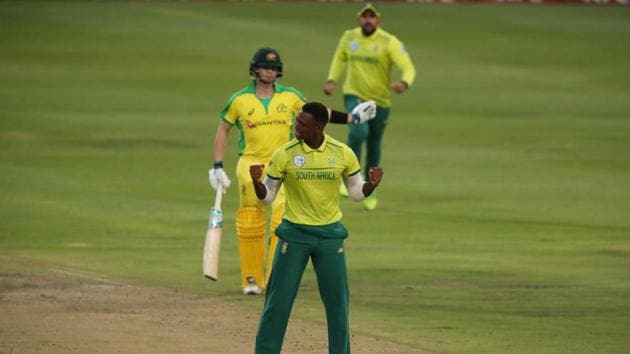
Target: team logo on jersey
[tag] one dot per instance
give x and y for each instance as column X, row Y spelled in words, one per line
column 250, row 124
column 354, row 45
column 281, row 108
column 299, row 161
column 271, row 56
column 331, row 161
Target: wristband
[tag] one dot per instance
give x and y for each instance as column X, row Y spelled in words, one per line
column 217, row 164
column 338, row 117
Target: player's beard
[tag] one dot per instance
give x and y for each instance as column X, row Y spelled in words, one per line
column 368, row 25
column 368, row 29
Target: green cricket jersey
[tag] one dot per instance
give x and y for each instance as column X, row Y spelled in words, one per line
column 369, row 61
column 311, row 179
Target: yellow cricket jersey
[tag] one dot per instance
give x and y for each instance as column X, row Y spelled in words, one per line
column 264, row 125
column 369, row 61
column 311, row 179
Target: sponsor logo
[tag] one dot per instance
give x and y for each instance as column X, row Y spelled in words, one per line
column 354, row 45
column 251, row 124
column 299, row 161
column 281, row 108
column 251, row 111
column 315, row 175
column 340, row 250
column 285, row 248
column 363, row 58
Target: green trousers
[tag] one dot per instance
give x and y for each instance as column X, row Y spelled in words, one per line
column 296, row 246
column 369, row 133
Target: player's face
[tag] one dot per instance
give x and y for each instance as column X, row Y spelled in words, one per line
column 267, row 75
column 305, row 126
column 368, row 22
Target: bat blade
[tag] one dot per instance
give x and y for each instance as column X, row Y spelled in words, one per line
column 211, row 253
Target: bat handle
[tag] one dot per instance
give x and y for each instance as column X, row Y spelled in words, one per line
column 219, row 196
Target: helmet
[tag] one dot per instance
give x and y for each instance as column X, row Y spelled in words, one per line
column 265, row 58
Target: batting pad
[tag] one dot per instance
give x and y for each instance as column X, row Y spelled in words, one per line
column 250, row 229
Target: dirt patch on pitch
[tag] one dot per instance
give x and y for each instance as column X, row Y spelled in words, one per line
column 54, row 310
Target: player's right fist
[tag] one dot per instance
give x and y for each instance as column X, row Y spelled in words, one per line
column 256, row 172
column 217, row 177
column 329, row 88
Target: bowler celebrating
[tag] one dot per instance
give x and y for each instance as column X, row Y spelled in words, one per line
column 310, row 167
column 263, row 112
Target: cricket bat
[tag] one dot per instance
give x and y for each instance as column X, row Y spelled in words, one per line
column 213, row 239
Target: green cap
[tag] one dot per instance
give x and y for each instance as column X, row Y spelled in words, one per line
column 368, row 6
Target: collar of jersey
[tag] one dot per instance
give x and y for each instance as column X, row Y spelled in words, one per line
column 251, row 88
column 321, row 148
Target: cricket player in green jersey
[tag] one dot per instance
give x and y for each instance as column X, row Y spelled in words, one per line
column 263, row 112
column 310, row 167
column 368, row 53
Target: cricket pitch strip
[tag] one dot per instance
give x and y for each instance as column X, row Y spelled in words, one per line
column 52, row 310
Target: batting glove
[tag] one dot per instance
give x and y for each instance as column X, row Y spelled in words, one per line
column 363, row 112
column 217, row 177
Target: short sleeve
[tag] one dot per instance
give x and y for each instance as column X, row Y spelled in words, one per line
column 277, row 164
column 352, row 166
column 229, row 114
column 300, row 100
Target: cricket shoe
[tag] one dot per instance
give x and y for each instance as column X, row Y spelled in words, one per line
column 343, row 191
column 370, row 202
column 251, row 288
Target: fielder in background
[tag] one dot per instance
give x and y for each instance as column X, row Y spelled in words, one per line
column 368, row 52
column 263, row 112
column 310, row 168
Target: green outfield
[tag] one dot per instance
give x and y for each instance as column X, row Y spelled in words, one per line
column 504, row 216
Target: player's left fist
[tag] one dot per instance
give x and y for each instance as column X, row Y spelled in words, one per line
column 256, row 172
column 375, row 174
column 363, row 112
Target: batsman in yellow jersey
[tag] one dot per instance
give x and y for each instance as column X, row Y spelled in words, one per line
column 263, row 112
column 310, row 167
column 368, row 53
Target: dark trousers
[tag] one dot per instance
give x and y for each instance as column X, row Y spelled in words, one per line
column 329, row 262
column 370, row 133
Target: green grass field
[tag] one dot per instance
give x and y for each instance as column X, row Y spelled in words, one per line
column 504, row 222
